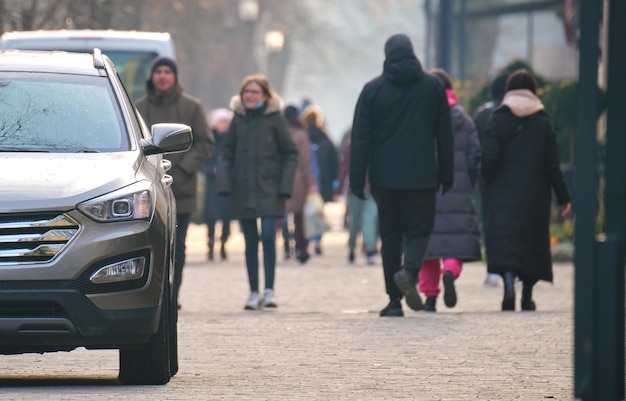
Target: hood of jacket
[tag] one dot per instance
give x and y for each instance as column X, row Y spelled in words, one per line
column 273, row 105
column 522, row 102
column 401, row 67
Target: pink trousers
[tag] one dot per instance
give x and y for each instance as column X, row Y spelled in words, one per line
column 431, row 271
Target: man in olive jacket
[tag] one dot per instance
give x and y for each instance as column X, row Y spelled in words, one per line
column 165, row 102
column 402, row 137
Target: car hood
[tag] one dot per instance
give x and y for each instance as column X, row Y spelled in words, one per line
column 59, row 181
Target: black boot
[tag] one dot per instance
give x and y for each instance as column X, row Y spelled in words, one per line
column 527, row 297
column 223, row 252
column 508, row 301
column 430, row 304
column 211, row 243
column 393, row 309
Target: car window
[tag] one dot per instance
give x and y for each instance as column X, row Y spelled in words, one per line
column 59, row 113
column 133, row 68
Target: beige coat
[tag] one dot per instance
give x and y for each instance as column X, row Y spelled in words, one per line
column 304, row 178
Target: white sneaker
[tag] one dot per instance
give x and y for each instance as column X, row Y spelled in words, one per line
column 492, row 280
column 269, row 299
column 254, row 301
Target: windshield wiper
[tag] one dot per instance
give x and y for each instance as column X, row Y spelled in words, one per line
column 87, row 151
column 25, row 150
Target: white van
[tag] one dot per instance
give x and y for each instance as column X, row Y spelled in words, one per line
column 132, row 52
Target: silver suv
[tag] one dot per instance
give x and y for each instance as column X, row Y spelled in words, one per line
column 87, row 215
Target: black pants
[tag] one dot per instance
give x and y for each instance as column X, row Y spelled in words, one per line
column 406, row 218
column 182, row 223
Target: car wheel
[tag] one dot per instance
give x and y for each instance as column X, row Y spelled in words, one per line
column 174, row 334
column 151, row 363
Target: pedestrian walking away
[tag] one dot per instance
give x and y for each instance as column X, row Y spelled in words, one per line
column 325, row 156
column 166, row 102
column 455, row 238
column 481, row 118
column 216, row 208
column 521, row 166
column 402, row 139
column 362, row 214
column 304, row 180
column 257, row 168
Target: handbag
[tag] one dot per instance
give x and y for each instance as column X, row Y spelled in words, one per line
column 314, row 220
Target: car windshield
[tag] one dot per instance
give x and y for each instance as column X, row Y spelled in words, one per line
column 59, row 113
column 133, row 68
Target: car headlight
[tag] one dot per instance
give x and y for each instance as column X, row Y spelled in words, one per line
column 134, row 202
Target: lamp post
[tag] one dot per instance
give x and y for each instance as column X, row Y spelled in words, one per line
column 276, row 57
column 248, row 10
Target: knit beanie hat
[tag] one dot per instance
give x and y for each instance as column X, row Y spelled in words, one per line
column 164, row 60
column 397, row 41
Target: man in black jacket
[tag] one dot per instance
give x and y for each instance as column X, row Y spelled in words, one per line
column 402, row 137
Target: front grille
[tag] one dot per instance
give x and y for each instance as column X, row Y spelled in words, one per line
column 34, row 238
column 30, row 309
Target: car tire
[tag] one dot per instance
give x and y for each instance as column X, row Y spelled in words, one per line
column 174, row 334
column 150, row 364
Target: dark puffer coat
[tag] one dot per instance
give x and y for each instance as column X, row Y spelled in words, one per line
column 258, row 161
column 456, row 233
column 520, row 165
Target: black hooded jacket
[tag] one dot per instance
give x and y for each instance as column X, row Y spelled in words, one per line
column 402, row 129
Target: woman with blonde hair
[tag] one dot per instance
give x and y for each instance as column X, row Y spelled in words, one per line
column 257, row 168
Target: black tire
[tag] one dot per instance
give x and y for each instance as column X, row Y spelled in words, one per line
column 151, row 363
column 174, row 334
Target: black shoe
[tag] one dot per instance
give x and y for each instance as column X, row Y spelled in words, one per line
column 449, row 292
column 303, row 257
column 371, row 257
column 429, row 305
column 211, row 256
column 508, row 301
column 318, row 249
column 528, row 305
column 351, row 256
column 406, row 284
column 394, row 309
column 223, row 253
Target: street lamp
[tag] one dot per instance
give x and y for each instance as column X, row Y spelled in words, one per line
column 248, row 10
column 274, row 41
column 276, row 57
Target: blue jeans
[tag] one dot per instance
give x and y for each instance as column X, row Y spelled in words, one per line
column 268, row 238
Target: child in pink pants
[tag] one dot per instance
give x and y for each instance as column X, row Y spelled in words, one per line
column 429, row 276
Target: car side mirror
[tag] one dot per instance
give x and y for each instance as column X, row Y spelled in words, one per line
column 168, row 138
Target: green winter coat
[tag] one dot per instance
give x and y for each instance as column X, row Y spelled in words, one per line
column 258, row 161
column 178, row 107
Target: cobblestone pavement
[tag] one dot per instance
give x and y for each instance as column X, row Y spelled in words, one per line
column 325, row 341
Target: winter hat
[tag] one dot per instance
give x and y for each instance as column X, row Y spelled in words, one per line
column 291, row 113
column 398, row 41
column 164, row 60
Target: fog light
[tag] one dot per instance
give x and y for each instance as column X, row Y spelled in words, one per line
column 131, row 269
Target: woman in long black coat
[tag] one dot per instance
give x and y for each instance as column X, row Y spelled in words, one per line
column 520, row 165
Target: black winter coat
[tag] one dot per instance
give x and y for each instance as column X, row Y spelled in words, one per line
column 258, row 161
column 215, row 207
column 520, row 165
column 402, row 129
column 456, row 233
column 327, row 160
